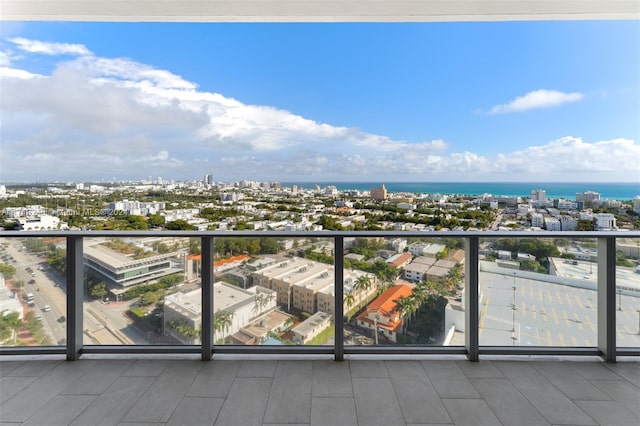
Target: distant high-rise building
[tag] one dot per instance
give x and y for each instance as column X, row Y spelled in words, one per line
column 587, row 197
column 208, row 179
column 538, row 195
column 294, row 189
column 636, row 204
column 276, row 186
column 379, row 193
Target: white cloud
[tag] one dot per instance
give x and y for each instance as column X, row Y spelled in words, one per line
column 537, row 99
column 46, row 48
column 5, row 59
column 130, row 120
column 6, row 72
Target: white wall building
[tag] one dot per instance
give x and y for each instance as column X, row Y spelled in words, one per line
column 604, row 221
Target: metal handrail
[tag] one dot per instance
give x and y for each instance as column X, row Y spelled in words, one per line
column 606, row 292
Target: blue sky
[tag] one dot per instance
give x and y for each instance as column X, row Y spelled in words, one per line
column 490, row 101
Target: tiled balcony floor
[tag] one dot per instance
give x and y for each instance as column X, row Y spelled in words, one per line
column 366, row 392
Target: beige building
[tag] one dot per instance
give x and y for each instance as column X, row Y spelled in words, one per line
column 379, row 193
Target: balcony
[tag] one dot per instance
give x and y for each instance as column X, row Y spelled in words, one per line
column 587, row 306
column 584, row 312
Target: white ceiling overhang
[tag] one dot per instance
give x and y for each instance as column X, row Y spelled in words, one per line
column 316, row 10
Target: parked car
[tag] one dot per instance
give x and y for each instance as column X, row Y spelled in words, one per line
column 46, row 308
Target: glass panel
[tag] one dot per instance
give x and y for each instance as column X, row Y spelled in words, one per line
column 129, row 286
column 404, row 291
column 538, row 292
column 628, row 292
column 274, row 291
column 32, row 291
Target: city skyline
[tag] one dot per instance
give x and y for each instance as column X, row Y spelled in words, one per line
column 517, row 101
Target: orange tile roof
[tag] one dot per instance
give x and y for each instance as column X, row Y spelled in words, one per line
column 221, row 262
column 384, row 305
column 402, row 259
column 232, row 259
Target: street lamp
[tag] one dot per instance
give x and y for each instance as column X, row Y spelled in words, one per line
column 375, row 328
column 513, row 312
column 619, row 299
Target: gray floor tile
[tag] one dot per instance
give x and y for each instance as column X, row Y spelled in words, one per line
column 196, row 412
column 368, row 368
column 331, row 379
column 115, row 402
column 609, row 413
column 98, row 378
column 417, row 397
column 146, row 368
column 509, row 405
column 257, row 368
column 471, row 412
column 480, row 370
column 35, row 368
column 11, row 385
column 7, row 367
column 448, row 380
column 622, row 392
column 246, row 402
column 571, row 384
column 140, row 424
column 215, row 379
column 628, row 370
column 36, row 395
column 333, row 412
column 376, row 403
column 546, row 398
column 290, row 394
column 61, row 410
column 594, row 370
column 164, row 394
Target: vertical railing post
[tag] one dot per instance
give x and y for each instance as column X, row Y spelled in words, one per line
column 207, row 297
column 339, row 298
column 75, row 282
column 471, row 297
column 607, row 298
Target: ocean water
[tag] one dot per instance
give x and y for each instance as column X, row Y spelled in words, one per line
column 613, row 191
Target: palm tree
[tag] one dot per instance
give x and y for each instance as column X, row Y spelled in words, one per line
column 405, row 306
column 349, row 299
column 222, row 320
column 363, row 283
column 419, row 293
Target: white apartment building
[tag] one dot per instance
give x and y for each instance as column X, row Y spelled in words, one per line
column 425, row 249
column 567, row 205
column 537, row 220
column 242, row 305
column 604, row 221
column 399, row 244
column 587, row 197
column 552, row 224
column 568, row 223
column 538, row 195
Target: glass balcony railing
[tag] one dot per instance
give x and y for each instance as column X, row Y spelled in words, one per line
column 472, row 293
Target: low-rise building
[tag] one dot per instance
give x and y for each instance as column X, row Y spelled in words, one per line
column 124, row 271
column 311, row 327
column 381, row 315
column 233, row 307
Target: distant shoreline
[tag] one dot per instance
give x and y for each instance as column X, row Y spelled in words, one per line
column 612, row 191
